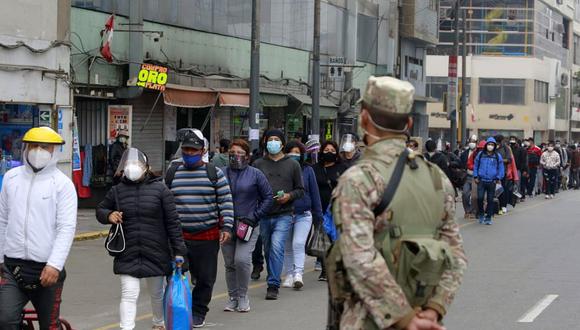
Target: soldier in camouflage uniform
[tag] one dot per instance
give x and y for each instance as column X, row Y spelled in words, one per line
column 379, row 297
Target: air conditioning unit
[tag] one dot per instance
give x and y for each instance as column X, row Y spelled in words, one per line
column 564, row 80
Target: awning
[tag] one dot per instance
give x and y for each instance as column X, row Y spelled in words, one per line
column 189, row 97
column 234, row 97
column 273, row 99
column 328, row 110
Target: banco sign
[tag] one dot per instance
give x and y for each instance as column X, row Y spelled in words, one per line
column 152, row 77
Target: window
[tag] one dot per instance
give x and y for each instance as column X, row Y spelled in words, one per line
column 502, row 91
column 437, row 86
column 540, row 91
column 576, row 49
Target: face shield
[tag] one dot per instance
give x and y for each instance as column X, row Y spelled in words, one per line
column 133, row 165
column 348, row 143
column 40, row 155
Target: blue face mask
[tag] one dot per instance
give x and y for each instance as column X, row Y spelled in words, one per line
column 274, row 147
column 191, row 161
column 295, row 157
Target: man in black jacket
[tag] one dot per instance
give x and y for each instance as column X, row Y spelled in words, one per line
column 436, row 157
column 521, row 159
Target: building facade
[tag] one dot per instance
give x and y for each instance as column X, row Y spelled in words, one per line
column 35, row 75
column 519, row 69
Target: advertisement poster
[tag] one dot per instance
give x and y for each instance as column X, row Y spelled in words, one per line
column 76, row 160
column 120, row 118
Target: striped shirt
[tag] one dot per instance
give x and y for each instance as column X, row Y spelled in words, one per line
column 199, row 202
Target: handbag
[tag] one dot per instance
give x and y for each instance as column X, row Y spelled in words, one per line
column 318, row 241
column 115, row 241
column 245, row 228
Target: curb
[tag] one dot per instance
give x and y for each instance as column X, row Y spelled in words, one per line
column 92, row 235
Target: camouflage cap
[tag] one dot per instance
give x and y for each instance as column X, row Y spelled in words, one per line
column 387, row 94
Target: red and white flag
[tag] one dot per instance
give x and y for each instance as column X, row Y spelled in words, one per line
column 107, row 38
column 472, row 113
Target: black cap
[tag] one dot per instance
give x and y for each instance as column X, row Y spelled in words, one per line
column 191, row 138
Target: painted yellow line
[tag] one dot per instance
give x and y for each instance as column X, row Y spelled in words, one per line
column 91, row 235
column 215, row 297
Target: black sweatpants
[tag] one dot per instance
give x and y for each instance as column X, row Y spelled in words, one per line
column 203, row 262
column 46, row 302
column 258, row 254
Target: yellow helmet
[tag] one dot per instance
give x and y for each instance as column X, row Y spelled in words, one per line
column 42, row 135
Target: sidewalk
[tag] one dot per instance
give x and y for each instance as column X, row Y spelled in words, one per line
column 88, row 227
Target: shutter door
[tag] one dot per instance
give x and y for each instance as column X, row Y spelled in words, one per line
column 147, row 135
column 92, row 121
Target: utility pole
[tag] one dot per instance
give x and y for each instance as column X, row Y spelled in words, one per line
column 254, row 111
column 315, row 126
column 464, row 79
column 452, row 85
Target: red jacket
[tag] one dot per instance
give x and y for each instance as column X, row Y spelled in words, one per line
column 534, row 155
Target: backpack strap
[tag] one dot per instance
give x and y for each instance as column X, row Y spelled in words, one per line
column 170, row 174
column 393, row 184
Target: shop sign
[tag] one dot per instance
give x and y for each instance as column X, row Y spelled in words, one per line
column 328, row 131
column 120, row 117
column 76, row 157
column 152, row 77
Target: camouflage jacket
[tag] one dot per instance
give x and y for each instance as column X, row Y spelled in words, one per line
column 358, row 192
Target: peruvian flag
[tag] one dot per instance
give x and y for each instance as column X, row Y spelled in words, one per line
column 107, row 37
column 472, row 113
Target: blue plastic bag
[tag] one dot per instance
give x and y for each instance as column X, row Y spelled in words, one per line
column 177, row 302
column 328, row 224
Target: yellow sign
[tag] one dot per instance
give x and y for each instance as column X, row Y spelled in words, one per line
column 329, row 129
column 152, row 77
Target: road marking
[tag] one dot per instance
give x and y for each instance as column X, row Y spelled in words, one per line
column 535, row 311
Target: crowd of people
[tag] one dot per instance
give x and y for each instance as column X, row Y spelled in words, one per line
column 253, row 208
column 496, row 172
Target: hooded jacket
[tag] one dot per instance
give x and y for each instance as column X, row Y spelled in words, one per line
column 251, row 192
column 151, row 225
column 488, row 167
column 38, row 215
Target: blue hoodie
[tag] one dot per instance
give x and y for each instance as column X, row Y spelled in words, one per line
column 488, row 168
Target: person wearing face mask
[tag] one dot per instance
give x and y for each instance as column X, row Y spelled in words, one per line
column 488, row 171
column 551, row 163
column 468, row 198
column 38, row 215
column 285, row 177
column 252, row 198
column 327, row 172
column 534, row 155
column 116, row 151
column 146, row 209
column 205, row 207
column 388, row 189
column 305, row 209
column 349, row 151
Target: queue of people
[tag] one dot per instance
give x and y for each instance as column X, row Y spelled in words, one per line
column 496, row 172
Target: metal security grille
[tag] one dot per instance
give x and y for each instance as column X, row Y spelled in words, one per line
column 92, row 120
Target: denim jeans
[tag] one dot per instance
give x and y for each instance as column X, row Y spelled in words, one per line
column 295, row 253
column 274, row 232
column 485, row 189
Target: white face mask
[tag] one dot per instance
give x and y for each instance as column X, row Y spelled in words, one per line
column 348, row 147
column 39, row 158
column 550, row 148
column 472, row 145
column 123, row 139
column 133, row 172
column 490, row 147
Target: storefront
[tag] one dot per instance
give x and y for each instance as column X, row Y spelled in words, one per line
column 299, row 117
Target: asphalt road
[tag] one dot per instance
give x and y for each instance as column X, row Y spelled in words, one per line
column 523, row 268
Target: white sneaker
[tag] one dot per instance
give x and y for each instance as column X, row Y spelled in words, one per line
column 504, row 209
column 298, row 283
column 547, row 196
column 288, row 282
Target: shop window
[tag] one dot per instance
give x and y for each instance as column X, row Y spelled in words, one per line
column 15, row 120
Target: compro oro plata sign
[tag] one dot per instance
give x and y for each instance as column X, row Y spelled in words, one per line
column 152, row 77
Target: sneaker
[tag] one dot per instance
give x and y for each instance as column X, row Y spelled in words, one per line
column 272, row 293
column 288, row 282
column 481, row 219
column 500, row 212
column 504, row 210
column 244, row 304
column 322, row 277
column 298, row 283
column 198, row 321
column 256, row 272
column 317, row 266
column 547, row 196
column 231, row 305
column 488, row 221
column 158, row 327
